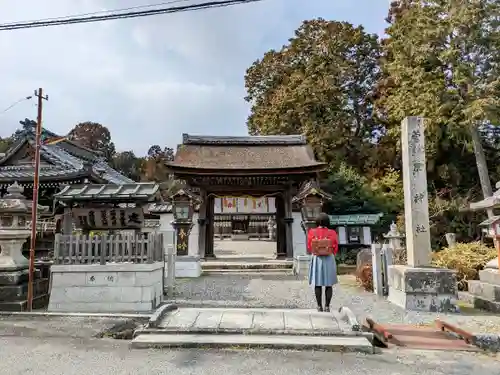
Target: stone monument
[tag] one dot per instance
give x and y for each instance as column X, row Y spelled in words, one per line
column 15, row 212
column 417, row 285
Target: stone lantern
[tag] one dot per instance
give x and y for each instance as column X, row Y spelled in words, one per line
column 493, row 230
column 311, row 208
column 183, row 210
column 311, row 198
column 15, row 216
column 394, row 237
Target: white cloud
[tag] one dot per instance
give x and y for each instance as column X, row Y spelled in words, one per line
column 148, row 79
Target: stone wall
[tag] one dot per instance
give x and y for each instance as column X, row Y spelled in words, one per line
column 106, row 288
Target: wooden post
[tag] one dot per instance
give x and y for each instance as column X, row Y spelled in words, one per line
column 34, row 210
column 102, row 255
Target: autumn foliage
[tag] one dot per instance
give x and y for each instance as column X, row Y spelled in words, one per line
column 347, row 90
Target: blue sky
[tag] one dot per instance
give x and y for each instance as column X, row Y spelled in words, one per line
column 151, row 79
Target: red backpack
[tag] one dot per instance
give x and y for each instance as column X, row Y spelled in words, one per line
column 321, row 246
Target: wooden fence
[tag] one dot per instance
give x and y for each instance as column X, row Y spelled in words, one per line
column 102, row 249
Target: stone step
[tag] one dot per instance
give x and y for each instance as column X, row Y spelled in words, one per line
column 243, row 271
column 255, row 320
column 246, row 265
column 486, row 304
column 490, row 276
column 484, row 290
column 327, row 343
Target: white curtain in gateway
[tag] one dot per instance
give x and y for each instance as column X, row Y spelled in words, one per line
column 272, row 205
column 245, row 205
column 217, row 205
column 229, row 205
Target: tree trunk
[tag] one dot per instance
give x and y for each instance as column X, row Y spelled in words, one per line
column 482, row 167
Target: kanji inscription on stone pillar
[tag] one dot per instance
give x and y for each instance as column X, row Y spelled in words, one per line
column 418, row 241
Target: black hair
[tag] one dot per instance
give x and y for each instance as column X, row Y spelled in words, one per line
column 323, row 220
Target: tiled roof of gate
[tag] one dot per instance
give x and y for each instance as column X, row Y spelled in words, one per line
column 240, row 153
column 133, row 191
column 62, row 160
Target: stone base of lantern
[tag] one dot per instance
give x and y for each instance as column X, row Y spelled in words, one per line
column 423, row 288
column 14, row 290
column 486, row 291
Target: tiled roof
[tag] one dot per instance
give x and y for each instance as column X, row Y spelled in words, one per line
column 63, row 160
column 95, row 192
column 244, row 153
column 311, row 187
column 490, row 221
column 17, row 173
column 355, row 219
column 297, row 140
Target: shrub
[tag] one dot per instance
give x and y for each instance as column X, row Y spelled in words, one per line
column 466, row 258
column 365, row 277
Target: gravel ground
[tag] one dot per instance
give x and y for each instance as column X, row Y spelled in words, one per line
column 86, row 356
column 54, row 327
column 293, row 292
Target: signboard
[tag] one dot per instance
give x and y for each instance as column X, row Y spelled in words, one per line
column 108, row 218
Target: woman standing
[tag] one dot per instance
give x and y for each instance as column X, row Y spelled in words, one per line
column 323, row 244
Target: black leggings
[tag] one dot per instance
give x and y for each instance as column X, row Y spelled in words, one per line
column 319, row 295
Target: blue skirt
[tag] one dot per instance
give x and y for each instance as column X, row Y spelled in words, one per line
column 323, row 271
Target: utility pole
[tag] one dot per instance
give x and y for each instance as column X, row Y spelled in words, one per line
column 36, row 183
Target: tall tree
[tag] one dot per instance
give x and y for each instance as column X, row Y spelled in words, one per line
column 320, row 84
column 442, row 61
column 155, row 168
column 94, row 136
column 5, row 144
column 130, row 165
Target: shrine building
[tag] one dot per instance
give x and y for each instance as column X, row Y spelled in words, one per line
column 241, row 177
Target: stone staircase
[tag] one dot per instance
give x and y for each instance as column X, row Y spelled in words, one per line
column 244, row 266
column 253, row 328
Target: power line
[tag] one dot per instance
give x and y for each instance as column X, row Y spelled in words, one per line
column 15, row 103
column 96, row 13
column 114, row 16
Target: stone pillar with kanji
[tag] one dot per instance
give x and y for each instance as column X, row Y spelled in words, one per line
column 417, row 285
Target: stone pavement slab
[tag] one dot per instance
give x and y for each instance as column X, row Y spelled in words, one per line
column 273, row 320
column 209, row 319
column 236, row 320
column 182, row 318
column 241, row 319
column 298, row 321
